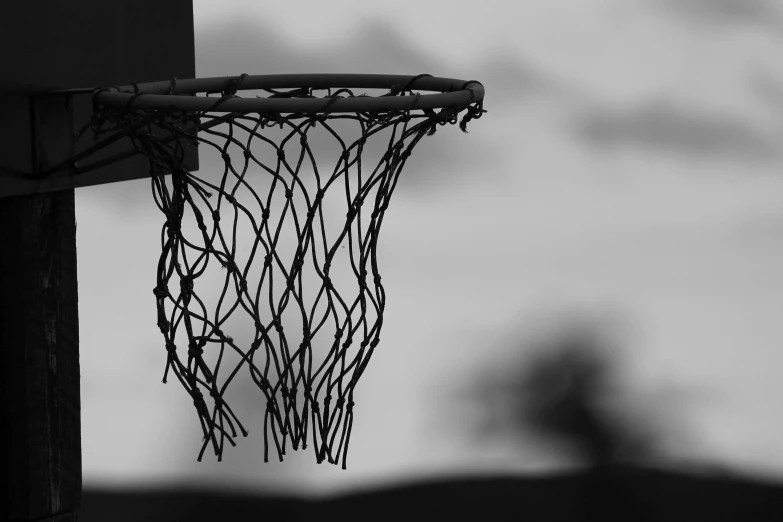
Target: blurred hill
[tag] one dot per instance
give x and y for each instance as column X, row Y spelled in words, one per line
column 647, row 494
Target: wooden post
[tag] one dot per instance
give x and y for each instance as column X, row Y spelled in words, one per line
column 40, row 422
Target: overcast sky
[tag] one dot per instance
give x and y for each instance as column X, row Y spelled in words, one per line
column 628, row 170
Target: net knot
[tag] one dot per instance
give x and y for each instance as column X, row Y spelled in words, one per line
column 198, row 402
column 194, row 350
column 161, row 292
column 228, row 264
column 173, row 231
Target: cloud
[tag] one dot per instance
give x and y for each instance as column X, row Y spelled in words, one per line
column 669, row 127
column 760, row 13
column 768, row 90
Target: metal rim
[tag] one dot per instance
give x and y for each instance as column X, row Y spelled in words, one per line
column 180, row 94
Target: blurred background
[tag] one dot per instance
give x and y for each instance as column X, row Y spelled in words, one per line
column 591, row 275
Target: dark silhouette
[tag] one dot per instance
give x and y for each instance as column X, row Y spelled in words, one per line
column 561, row 395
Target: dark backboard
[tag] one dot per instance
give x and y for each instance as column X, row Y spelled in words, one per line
column 51, row 45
